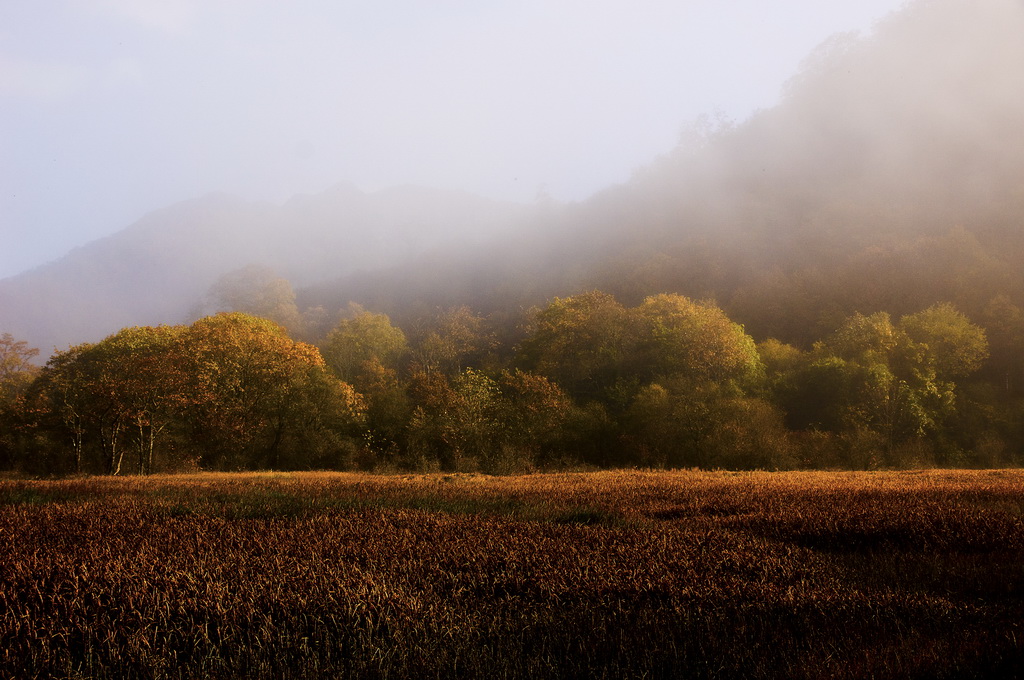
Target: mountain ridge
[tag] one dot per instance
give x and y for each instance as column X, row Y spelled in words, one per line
column 157, row 269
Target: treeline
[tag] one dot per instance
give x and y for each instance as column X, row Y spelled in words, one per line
column 587, row 381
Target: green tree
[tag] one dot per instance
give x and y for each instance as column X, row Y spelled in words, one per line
column 955, row 346
column 597, row 349
column 456, row 420
column 819, row 393
column 895, row 390
column 866, row 340
column 365, row 336
column 895, row 380
column 694, row 340
column 64, row 401
column 388, row 409
column 430, row 437
column 704, row 424
column 585, row 343
column 497, row 424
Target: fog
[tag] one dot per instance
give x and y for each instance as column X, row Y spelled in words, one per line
column 115, row 108
column 861, row 230
column 887, row 178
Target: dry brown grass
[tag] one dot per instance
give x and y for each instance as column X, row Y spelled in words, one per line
column 606, row 574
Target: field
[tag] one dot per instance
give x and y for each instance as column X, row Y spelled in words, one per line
column 605, row 574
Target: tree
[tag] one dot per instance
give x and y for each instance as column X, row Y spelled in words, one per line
column 16, row 368
column 62, row 400
column 497, row 424
column 893, row 380
column 865, row 339
column 597, row 349
column 129, row 383
column 585, row 343
column 388, row 409
column 257, row 290
column 533, row 414
column 1004, row 323
column 894, row 390
column 321, row 424
column 252, row 388
column 365, row 336
column 16, row 375
column 705, row 424
column 955, row 346
column 232, row 390
column 819, row 394
column 144, row 366
column 430, row 438
column 452, row 339
column 694, row 340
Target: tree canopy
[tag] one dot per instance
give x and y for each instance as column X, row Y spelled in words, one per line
column 667, row 382
column 230, row 391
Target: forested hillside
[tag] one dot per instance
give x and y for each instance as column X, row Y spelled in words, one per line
column 834, row 282
column 887, row 179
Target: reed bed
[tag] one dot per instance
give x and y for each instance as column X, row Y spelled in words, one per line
column 604, row 574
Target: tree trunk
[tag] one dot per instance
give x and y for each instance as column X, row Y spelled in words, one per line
column 152, row 445
column 112, row 454
column 142, row 447
column 76, row 446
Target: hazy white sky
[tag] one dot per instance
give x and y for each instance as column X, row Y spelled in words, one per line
column 112, row 108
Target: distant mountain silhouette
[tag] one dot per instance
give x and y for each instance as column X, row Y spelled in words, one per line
column 157, row 270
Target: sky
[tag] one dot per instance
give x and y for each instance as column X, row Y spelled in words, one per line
column 110, row 109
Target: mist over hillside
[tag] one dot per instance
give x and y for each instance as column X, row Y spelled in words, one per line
column 888, row 178
column 157, row 270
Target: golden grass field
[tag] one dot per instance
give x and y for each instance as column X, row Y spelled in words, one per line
column 603, row 574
